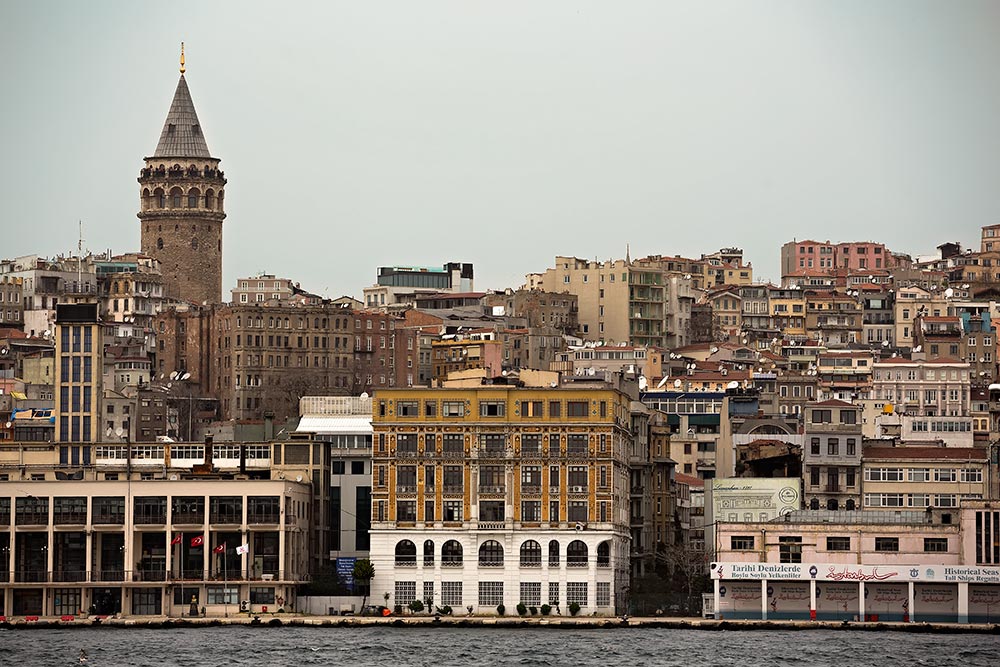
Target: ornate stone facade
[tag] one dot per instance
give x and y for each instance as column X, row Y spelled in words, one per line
column 181, row 206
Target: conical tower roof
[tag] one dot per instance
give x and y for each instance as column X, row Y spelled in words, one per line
column 182, row 136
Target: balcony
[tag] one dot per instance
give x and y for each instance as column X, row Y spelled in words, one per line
column 454, row 490
column 531, row 490
column 69, row 518
column 108, row 519
column 32, row 518
column 492, row 490
column 405, row 490
column 578, row 490
column 69, row 575
column 257, row 518
column 189, row 518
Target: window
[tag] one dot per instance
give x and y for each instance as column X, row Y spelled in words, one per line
column 553, row 593
column 492, row 408
column 430, row 408
column 838, row 544
column 491, row 554
column 451, row 593
column 261, row 595
column 822, row 416
column 531, row 554
column 852, row 447
column 490, row 593
column 883, row 500
column 848, row 417
column 408, row 408
column 832, row 447
column 945, row 474
column 453, row 409
column 531, row 593
column 972, row 475
column 223, row 595
column 886, row 544
column 814, row 446
column 555, row 409
column 576, row 591
column 576, row 408
column 406, row 592
column 918, row 475
column 603, row 594
column 935, row 544
column 741, row 542
column 576, row 554
column 790, row 549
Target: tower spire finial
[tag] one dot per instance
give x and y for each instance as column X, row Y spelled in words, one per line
column 182, row 58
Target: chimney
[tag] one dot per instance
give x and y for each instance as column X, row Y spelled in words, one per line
column 268, row 426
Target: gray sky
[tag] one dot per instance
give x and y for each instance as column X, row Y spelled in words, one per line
column 504, row 133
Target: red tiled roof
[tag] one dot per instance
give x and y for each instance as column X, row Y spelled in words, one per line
column 688, row 479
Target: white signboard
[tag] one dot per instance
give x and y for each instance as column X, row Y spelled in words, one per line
column 754, row 500
column 853, row 573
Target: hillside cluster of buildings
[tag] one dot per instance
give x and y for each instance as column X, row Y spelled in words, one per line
column 822, row 447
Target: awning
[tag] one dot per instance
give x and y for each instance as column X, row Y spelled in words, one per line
column 19, row 395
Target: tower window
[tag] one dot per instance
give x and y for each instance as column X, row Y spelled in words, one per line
column 159, row 243
column 194, row 243
column 171, row 128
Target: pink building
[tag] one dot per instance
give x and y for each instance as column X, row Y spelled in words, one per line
column 853, row 256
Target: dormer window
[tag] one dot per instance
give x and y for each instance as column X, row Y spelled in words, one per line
column 170, row 128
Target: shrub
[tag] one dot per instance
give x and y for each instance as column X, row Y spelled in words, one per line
column 501, row 609
column 533, row 610
column 574, row 608
column 416, row 606
column 446, row 610
column 521, row 609
column 398, row 609
column 546, row 609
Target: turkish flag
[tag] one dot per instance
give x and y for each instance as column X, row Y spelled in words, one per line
column 220, row 549
column 177, row 538
column 197, row 541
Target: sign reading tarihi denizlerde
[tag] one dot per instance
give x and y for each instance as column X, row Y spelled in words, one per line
column 754, row 500
column 848, row 573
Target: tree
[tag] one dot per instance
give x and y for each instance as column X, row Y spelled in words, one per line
column 363, row 574
column 686, row 567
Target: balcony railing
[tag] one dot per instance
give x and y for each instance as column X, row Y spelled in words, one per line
column 492, row 490
column 151, row 519
column 453, row 490
column 70, row 518
column 195, row 518
column 69, row 575
column 263, row 517
column 108, row 519
column 531, row 490
column 32, row 518
column 228, row 518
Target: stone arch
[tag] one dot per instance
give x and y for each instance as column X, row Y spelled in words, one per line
column 832, row 504
column 577, row 554
column 531, row 554
column 159, row 198
column 451, row 553
column 406, row 553
column 604, row 554
column 491, row 554
column 194, row 196
column 428, row 552
column 176, row 195
column 210, row 198
column 222, row 195
column 145, row 198
column 159, row 243
column 814, row 504
column 554, row 553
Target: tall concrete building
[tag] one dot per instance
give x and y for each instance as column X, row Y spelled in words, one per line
column 79, row 351
column 181, row 205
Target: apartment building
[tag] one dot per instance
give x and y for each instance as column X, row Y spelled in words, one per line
column 499, row 494
column 921, row 477
column 923, row 387
column 831, row 455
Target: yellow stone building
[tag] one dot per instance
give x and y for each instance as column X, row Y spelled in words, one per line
column 513, row 494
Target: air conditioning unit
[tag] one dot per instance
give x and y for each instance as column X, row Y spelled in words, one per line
column 267, row 577
column 577, row 489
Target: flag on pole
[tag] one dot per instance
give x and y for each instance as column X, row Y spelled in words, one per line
column 197, row 541
column 220, row 549
column 177, row 539
column 243, row 548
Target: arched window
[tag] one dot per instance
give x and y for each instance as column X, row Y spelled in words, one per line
column 406, row 553
column 849, row 505
column 451, row 553
column 159, row 198
column 554, row 553
column 193, row 195
column 145, row 198
column 159, row 243
column 210, row 199
column 491, row 554
column 221, row 195
column 531, row 554
column 428, row 552
column 831, row 504
column 175, row 198
column 194, row 243
column 604, row 554
column 814, row 504
column 576, row 554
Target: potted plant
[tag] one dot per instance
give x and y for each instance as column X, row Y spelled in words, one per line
column 546, row 609
column 501, row 610
column 533, row 610
column 574, row 608
column 521, row 609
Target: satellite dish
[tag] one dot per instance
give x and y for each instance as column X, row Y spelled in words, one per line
column 161, row 376
column 7, row 425
column 643, row 383
column 298, row 478
column 119, row 431
column 3, row 351
column 949, row 292
column 108, row 432
column 364, row 394
column 185, row 376
column 46, row 333
column 733, row 385
column 173, row 375
column 677, row 382
column 173, row 478
column 885, row 343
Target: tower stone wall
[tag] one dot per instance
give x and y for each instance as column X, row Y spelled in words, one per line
column 182, row 206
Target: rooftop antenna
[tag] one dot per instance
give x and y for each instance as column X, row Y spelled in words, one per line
column 79, row 256
column 182, row 58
